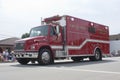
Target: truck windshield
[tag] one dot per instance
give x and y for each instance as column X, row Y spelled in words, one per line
column 39, row 31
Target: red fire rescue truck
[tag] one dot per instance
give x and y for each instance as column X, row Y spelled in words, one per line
column 61, row 37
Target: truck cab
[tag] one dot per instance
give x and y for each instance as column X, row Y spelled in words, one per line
column 42, row 42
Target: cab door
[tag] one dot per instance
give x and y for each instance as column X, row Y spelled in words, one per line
column 55, row 38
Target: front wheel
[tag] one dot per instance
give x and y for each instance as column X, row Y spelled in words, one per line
column 45, row 57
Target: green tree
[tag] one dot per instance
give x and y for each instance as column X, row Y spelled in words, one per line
column 25, row 35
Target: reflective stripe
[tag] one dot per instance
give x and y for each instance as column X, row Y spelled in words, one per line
column 87, row 40
column 81, row 45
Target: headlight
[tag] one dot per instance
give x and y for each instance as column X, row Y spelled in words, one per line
column 32, row 47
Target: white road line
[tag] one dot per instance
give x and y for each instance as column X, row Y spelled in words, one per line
column 84, row 70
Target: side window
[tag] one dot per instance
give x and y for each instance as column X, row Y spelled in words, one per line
column 91, row 29
column 52, row 31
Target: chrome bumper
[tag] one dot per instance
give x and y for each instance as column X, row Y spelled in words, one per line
column 26, row 54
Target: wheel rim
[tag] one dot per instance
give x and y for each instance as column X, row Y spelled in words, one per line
column 97, row 55
column 45, row 57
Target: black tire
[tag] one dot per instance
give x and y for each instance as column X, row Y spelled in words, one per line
column 77, row 59
column 97, row 56
column 23, row 61
column 45, row 57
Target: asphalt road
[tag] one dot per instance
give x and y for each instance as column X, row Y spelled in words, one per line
column 108, row 69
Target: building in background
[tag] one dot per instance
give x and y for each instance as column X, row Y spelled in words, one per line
column 114, row 37
column 115, row 45
column 7, row 44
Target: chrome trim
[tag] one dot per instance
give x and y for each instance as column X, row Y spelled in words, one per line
column 86, row 55
column 26, row 54
column 45, row 56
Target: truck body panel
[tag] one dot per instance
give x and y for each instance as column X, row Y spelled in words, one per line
column 82, row 41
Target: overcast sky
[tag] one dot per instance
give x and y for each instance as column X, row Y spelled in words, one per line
column 19, row 16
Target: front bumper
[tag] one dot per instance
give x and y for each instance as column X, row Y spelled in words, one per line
column 22, row 54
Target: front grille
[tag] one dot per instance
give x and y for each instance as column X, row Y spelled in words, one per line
column 19, row 46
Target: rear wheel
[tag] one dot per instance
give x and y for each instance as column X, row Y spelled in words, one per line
column 23, row 61
column 45, row 57
column 97, row 56
column 77, row 59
